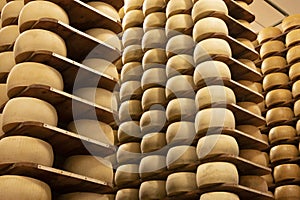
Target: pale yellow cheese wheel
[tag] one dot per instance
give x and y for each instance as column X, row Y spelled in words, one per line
column 286, row 172
column 127, row 194
column 121, row 13
column 154, row 77
column 270, row 47
column 294, row 72
column 133, row 18
column 35, row 10
column 214, row 118
column 152, row 190
column 181, row 182
column 8, row 35
column 180, row 64
column 217, row 172
column 15, row 149
column 86, row 196
column 130, row 110
column 152, row 165
column 250, row 130
column 180, row 87
column 153, row 121
column 268, row 33
column 151, row 6
column 292, row 37
column 153, row 142
column 154, row 58
column 290, row 22
column 203, row 8
column 179, row 24
column 273, row 63
column 7, row 61
column 23, row 188
column 282, row 133
column 131, row 71
column 254, row 156
column 181, row 109
column 1, row 131
column 282, row 152
column 180, row 44
column 130, row 90
column 269, row 179
column 26, row 109
column 132, row 5
column 105, row 9
column 11, row 11
column 126, row 174
column 132, row 53
column 297, row 108
column 254, row 182
column 279, row 114
column 3, row 94
column 287, row 192
column 132, row 36
column 273, row 80
column 298, row 127
column 129, row 130
column 155, row 20
column 249, row 84
column 209, row 47
column 248, row 63
column 251, row 107
column 179, row 156
column 152, row 97
column 296, row 89
column 128, row 152
column 246, row 43
column 178, row 6
column 31, row 73
column 78, row 164
column 219, row 195
column 181, row 132
column 211, row 145
column 293, row 55
column 154, row 38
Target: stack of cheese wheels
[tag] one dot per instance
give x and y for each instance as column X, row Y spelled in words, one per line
column 268, row 33
column 126, row 174
column 7, row 62
column 86, row 196
column 10, row 12
column 153, row 189
column 127, row 194
column 8, row 35
column 271, row 47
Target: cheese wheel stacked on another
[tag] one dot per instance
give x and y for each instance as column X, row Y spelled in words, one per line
column 254, row 182
column 268, row 33
column 8, row 35
column 219, row 195
column 286, row 172
column 251, row 107
column 182, row 132
column 105, row 8
column 279, row 114
column 293, row 55
column 127, row 194
column 132, row 36
column 154, row 38
column 283, row 152
column 154, row 77
column 7, row 61
column 180, row 87
column 294, row 72
column 175, row 7
column 154, row 58
column 180, row 44
column 10, row 12
column 289, row 192
column 132, row 53
column 153, row 121
column 278, row 96
column 202, row 8
column 129, row 153
column 130, row 110
column 283, row 132
column 153, row 97
column 180, row 65
column 254, row 156
column 152, row 190
column 126, row 174
column 181, row 109
column 131, row 71
column 251, row 130
column 179, row 156
column 153, row 142
column 86, row 196
column 275, row 80
column 3, row 94
column 133, row 18
column 290, row 22
column 273, row 63
column 128, row 131
column 151, row 6
column 178, row 25
column 132, row 5
column 152, row 165
column 181, row 182
column 155, row 20
column 130, row 90
column 271, row 47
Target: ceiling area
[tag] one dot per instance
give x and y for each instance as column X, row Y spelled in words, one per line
column 271, row 12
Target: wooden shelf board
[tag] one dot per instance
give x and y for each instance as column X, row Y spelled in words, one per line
column 8, row 47
column 3, row 77
column 238, row 12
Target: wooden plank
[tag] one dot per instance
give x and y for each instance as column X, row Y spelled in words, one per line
column 3, row 77
column 64, row 142
column 115, row 3
column 238, row 12
column 295, row 160
column 10, row 21
column 285, row 182
column 59, row 180
column 8, row 47
column 293, row 141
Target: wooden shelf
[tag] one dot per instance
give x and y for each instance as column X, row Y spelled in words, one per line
column 117, row 4
column 286, row 182
column 238, row 12
column 10, row 21
column 286, row 161
column 59, row 180
column 3, row 77
column 4, row 48
column 63, row 142
column 79, row 44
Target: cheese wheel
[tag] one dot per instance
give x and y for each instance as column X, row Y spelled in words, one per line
column 86, row 196
column 154, row 77
column 181, row 109
column 202, row 8
column 7, row 61
column 214, row 94
column 93, row 129
column 121, row 13
column 180, row 87
column 153, row 121
column 152, row 190
column 269, row 179
column 180, row 44
column 128, row 152
column 78, row 164
column 246, row 24
column 133, row 18
column 30, row 73
column 274, row 80
column 132, row 53
column 212, row 145
column 219, row 195
column 278, row 115
column 278, row 96
column 248, row 63
column 181, row 182
column 282, row 133
column 207, row 48
column 175, row 7
column 129, row 130
column 1, row 131
column 268, row 33
column 287, row 192
column 132, row 5
column 2, row 4
column 290, row 22
column 152, row 165
column 106, row 36
column 286, row 172
column 126, row 174
column 249, row 84
column 251, row 107
column 296, row 89
column 246, row 43
column 283, row 152
column 293, row 55
column 153, row 142
column 254, row 156
column 214, row 118
column 23, row 188
column 154, row 38
column 294, row 72
column 181, row 132
column 270, row 47
column 297, row 108
column 35, row 10
column 130, row 90
column 3, row 94
column 132, row 36
column 154, row 20
column 8, row 35
column 179, row 24
column 131, row 71
column 130, row 110
column 11, row 12
column 254, row 182
column 15, row 149
column 151, row 6
column 179, row 156
column 127, row 194
column 292, row 38
column 34, row 40
column 217, row 172
column 180, row 64
column 105, row 9
column 250, row 130
column 153, row 97
column 26, row 109
column 209, row 26
column 154, row 58
column 211, row 69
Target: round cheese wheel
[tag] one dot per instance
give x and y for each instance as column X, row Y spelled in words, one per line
column 282, row 133
column 154, row 38
column 296, row 89
column 130, row 90
column 26, row 109
column 179, row 24
column 127, row 194
column 132, row 5
column 269, row 179
column 211, row 69
column 133, row 18
column 7, row 61
column 8, row 35
column 128, row 152
column 126, row 174
column 152, row 165
column 154, row 77
column 268, row 33
column 181, row 132
column 132, row 36
column 106, row 9
column 248, row 63
column 289, row 192
column 132, row 53
column 214, row 94
column 3, row 94
column 86, row 196
column 35, row 10
column 293, row 55
column 278, row 115
column 155, row 20
column 254, row 156
column 78, row 164
column 175, row 7
column 270, row 47
column 297, row 108
column 251, row 107
column 130, row 110
column 128, row 131
column 202, row 8
column 152, row 190
column 294, row 72
column 153, row 97
column 214, row 118
column 131, row 71
column 283, row 152
column 181, row 182
column 286, row 172
column 219, row 195
column 274, row 80
column 151, row 6
column 250, row 130
column 21, row 187
column 207, row 48
column 2, row 4
column 180, row 44
column 278, row 96
column 249, row 84
column 246, row 24
column 181, row 109
column 93, row 129
column 34, row 40
column 154, row 58
column 179, row 156
column 182, row 64
column 153, row 121
column 121, row 13
column 290, row 22
column 11, row 12
column 254, row 182
column 217, row 172
column 180, row 87
column 153, row 142
column 292, row 38
column 246, row 43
